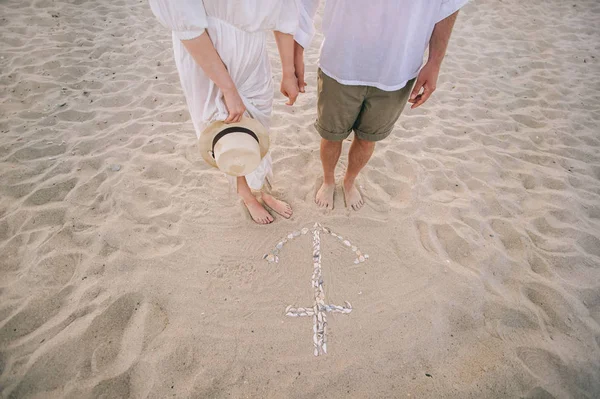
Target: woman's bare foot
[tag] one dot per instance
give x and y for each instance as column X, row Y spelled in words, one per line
column 352, row 197
column 282, row 208
column 324, row 197
column 258, row 212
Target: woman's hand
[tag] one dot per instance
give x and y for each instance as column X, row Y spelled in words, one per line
column 289, row 88
column 235, row 105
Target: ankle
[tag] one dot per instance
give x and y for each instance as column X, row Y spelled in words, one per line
column 329, row 181
column 349, row 182
column 247, row 197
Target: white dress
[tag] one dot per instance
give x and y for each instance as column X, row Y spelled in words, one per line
column 238, row 30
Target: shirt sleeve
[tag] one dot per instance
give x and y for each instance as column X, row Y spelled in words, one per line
column 306, row 26
column 186, row 18
column 449, row 7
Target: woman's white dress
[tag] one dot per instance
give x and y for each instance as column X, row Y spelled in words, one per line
column 238, row 30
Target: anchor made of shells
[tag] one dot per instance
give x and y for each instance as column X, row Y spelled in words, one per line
column 319, row 309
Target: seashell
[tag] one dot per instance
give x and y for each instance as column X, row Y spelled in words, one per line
column 315, row 320
column 340, row 238
column 290, row 236
column 358, row 253
column 270, row 258
column 324, row 347
column 292, row 309
column 304, row 231
column 291, row 314
column 316, row 352
column 315, row 340
column 288, row 308
column 354, row 248
column 348, row 305
column 310, row 312
column 300, row 309
column 326, row 230
column 279, row 245
column 265, row 256
column 333, row 234
column 296, row 233
column 316, row 224
column 276, row 259
column 361, row 259
column 366, row 256
column 347, row 243
column 302, row 314
column 356, row 261
column 320, row 317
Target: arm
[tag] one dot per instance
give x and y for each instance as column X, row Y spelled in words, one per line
column 306, row 30
column 428, row 76
column 187, row 19
column 204, row 53
column 289, row 83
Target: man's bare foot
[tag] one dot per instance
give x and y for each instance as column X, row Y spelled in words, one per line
column 257, row 211
column 282, row 208
column 352, row 197
column 324, row 197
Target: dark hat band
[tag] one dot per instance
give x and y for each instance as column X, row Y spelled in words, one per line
column 225, row 132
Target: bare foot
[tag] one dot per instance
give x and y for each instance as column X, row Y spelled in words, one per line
column 257, row 211
column 282, row 208
column 324, row 197
column 352, row 197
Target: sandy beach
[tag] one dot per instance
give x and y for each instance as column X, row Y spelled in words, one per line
column 129, row 270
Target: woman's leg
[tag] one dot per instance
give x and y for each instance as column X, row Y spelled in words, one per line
column 257, row 211
column 282, row 208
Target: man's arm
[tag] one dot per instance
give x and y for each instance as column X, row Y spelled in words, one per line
column 428, row 76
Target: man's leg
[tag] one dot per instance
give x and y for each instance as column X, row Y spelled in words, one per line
column 359, row 155
column 330, row 154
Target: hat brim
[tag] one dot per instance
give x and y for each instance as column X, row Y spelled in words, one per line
column 207, row 136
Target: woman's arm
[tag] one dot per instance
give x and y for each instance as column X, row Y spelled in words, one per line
column 289, row 82
column 204, row 53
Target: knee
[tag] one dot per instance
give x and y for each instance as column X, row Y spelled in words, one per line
column 364, row 143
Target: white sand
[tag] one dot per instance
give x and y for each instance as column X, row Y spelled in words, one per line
column 482, row 222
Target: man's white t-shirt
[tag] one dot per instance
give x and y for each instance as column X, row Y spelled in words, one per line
column 377, row 43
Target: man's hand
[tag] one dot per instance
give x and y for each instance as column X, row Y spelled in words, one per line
column 299, row 66
column 235, row 105
column 289, row 88
column 427, row 80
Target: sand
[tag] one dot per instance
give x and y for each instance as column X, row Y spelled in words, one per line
column 128, row 269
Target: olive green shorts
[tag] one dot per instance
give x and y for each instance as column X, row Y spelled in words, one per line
column 368, row 111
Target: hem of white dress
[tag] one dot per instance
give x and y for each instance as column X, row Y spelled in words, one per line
column 361, row 83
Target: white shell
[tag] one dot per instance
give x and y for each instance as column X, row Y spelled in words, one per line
column 290, row 314
column 347, row 243
column 366, row 256
column 348, row 305
column 288, row 308
column 304, row 230
column 316, row 352
column 356, row 261
column 361, row 259
column 354, row 248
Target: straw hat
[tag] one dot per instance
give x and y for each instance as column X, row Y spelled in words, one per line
column 234, row 148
